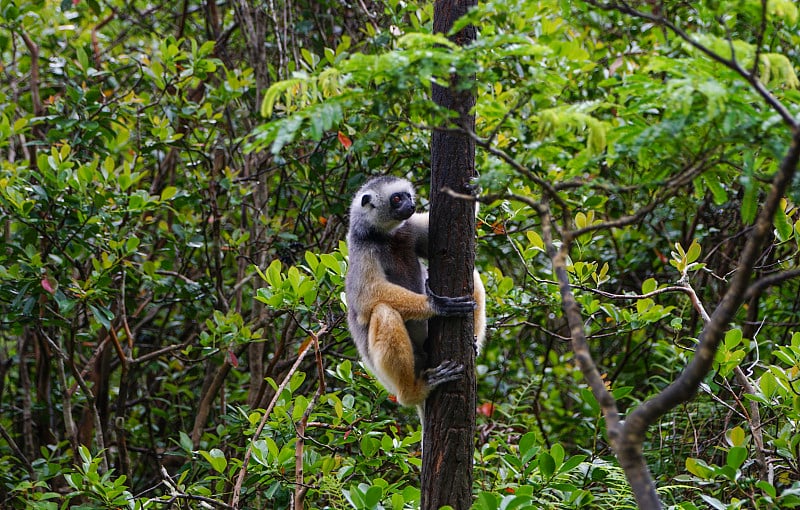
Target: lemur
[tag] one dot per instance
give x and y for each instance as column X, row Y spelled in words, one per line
column 387, row 294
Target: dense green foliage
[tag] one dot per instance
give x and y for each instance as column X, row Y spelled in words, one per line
column 171, row 262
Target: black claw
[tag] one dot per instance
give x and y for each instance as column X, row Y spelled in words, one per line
column 446, row 371
column 450, row 306
column 472, row 188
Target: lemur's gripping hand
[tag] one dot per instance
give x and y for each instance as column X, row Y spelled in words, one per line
column 446, row 371
column 449, row 306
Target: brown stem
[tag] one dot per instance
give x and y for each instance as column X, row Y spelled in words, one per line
column 204, row 409
column 687, row 383
column 237, row 488
column 33, row 48
column 301, row 488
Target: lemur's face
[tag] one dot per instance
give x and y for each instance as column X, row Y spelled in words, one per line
column 402, row 205
column 387, row 204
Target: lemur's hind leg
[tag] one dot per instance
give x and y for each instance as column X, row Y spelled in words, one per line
column 392, row 355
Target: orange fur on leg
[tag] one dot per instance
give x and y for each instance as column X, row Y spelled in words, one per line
column 393, row 356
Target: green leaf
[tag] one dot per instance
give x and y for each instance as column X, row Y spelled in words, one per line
column 286, row 88
column 557, row 452
column 749, row 200
column 698, row 468
column 486, row 501
column 272, row 447
column 797, row 233
column 216, row 458
column 783, row 227
column 571, row 463
column 547, row 466
column 528, row 446
column 767, row 487
column 168, row 192
column 733, row 337
column 369, row 446
column 535, row 240
column 714, row 502
column 717, row 190
column 185, row 442
column 373, row 497
column 693, row 253
column 83, row 59
column 622, row 392
column 103, row 315
column 736, row 456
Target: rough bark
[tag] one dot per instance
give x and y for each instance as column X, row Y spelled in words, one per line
column 449, row 428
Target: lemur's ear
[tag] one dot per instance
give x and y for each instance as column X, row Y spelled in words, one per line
column 367, row 198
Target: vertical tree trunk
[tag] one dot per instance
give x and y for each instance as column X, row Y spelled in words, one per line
column 450, row 410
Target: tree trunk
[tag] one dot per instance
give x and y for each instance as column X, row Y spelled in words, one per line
column 449, row 428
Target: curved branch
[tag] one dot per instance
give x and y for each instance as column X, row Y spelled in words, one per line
column 730, row 63
column 33, row 48
column 685, row 386
column 304, row 349
column 771, row 280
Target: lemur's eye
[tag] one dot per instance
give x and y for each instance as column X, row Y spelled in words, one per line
column 395, row 199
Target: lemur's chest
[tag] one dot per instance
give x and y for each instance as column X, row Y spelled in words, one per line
column 401, row 265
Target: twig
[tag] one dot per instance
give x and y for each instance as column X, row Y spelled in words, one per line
column 731, row 64
column 15, row 448
column 763, row 283
column 754, row 416
column 90, row 399
column 33, row 48
column 237, row 488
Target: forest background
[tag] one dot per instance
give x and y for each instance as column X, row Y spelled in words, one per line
column 174, row 185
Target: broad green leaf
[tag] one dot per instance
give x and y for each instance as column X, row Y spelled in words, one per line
column 736, row 456
column 736, row 436
column 168, row 192
column 216, row 458
column 547, row 465
column 103, row 315
column 535, row 240
column 571, row 463
column 783, row 227
column 693, row 253
column 649, row 285
column 185, row 441
column 698, row 468
column 557, row 452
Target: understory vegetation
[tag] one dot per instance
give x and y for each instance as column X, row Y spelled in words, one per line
column 174, row 186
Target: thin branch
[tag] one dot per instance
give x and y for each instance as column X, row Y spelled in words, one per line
column 765, row 282
column 33, row 48
column 572, row 313
column 176, row 494
column 754, row 415
column 90, row 399
column 670, row 188
column 301, row 489
column 17, row 451
column 519, row 167
column 762, row 29
column 686, row 384
column 237, row 487
column 730, row 63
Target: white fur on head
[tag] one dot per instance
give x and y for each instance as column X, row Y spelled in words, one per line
column 373, row 213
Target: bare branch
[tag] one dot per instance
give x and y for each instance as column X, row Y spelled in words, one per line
column 685, row 386
column 237, row 488
column 771, row 280
column 33, row 48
